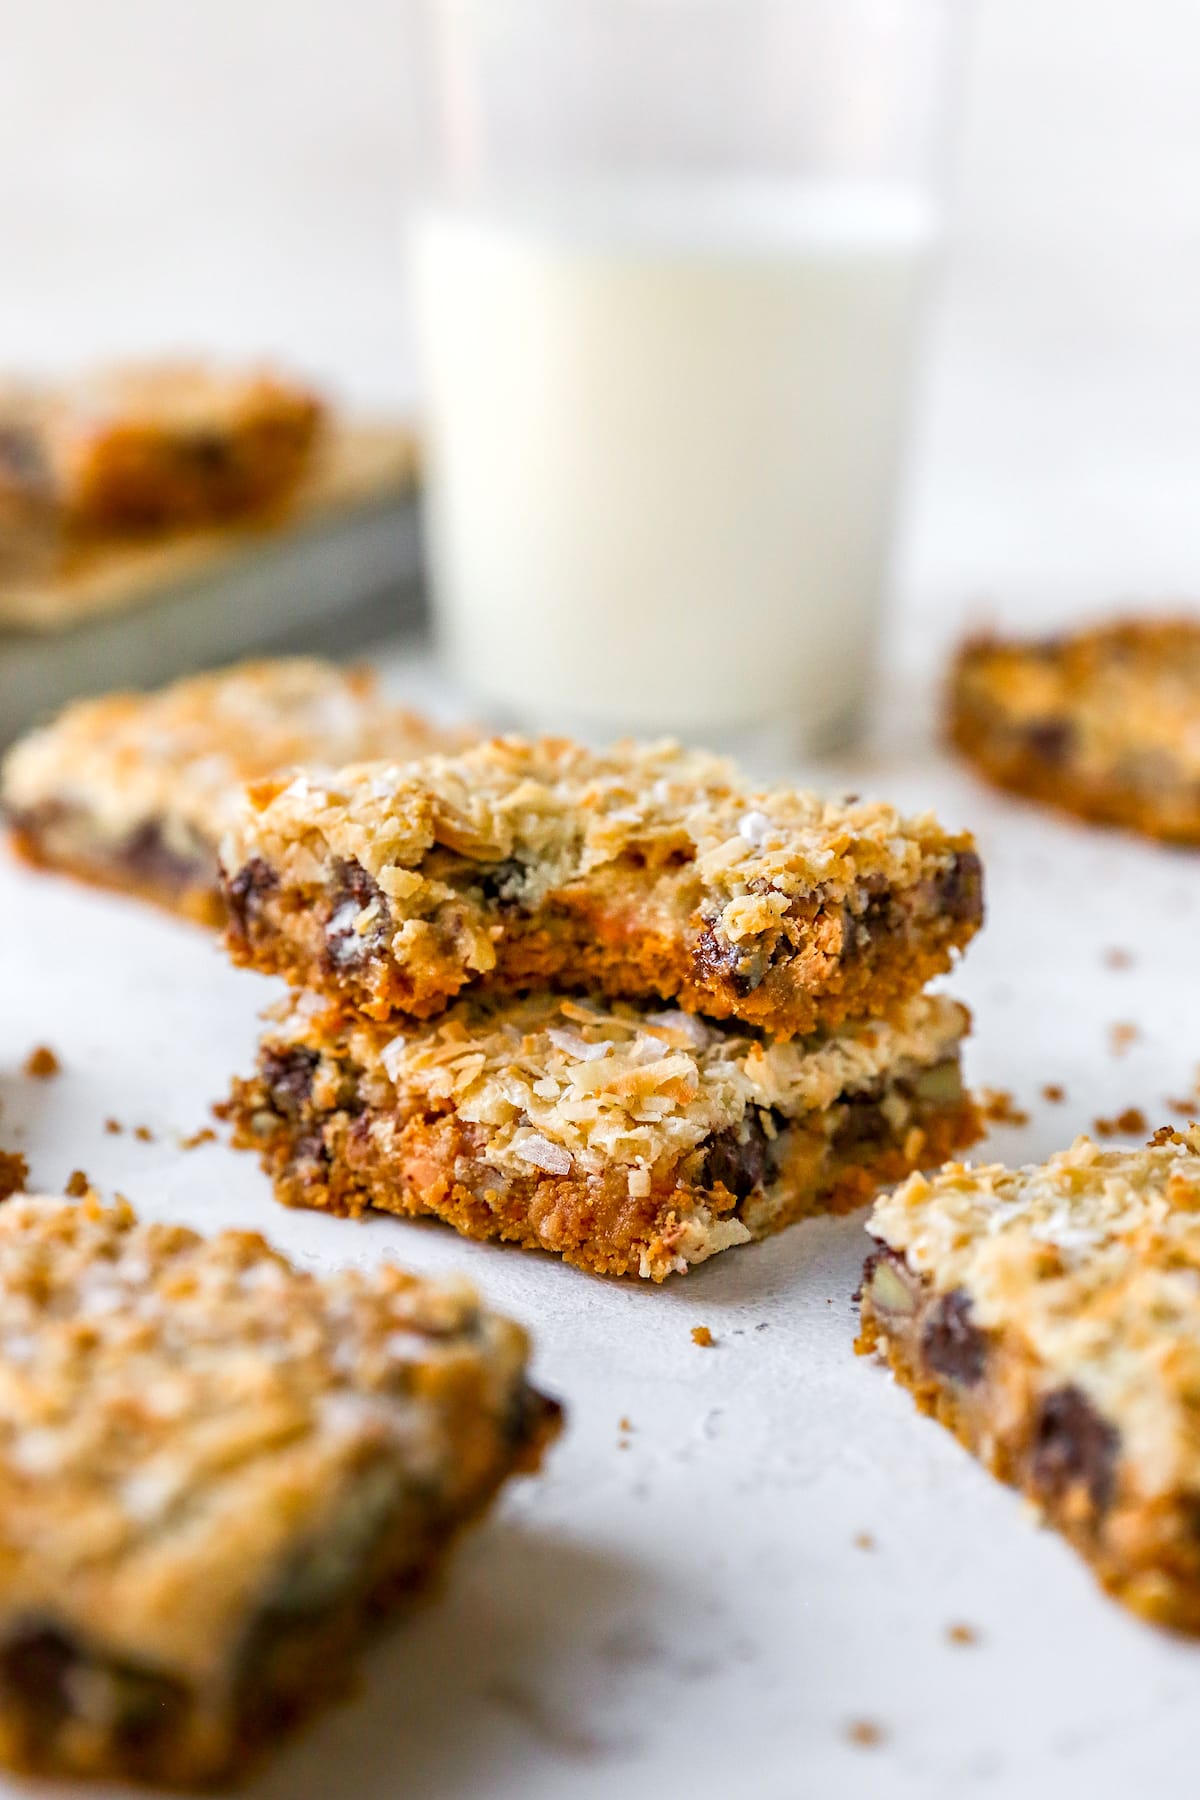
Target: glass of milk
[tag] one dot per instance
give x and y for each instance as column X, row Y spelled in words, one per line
column 669, row 278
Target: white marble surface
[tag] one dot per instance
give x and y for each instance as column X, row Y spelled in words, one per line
column 691, row 1615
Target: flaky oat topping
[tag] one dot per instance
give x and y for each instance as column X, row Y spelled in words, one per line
column 180, row 755
column 1093, row 1258
column 180, row 1415
column 562, row 812
column 573, row 1087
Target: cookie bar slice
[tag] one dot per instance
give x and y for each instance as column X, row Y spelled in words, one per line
column 216, row 1470
column 625, row 1140
column 153, row 446
column 1050, row 1317
column 643, row 870
column 134, row 791
column 1104, row 723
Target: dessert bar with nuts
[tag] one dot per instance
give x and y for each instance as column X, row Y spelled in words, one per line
column 149, row 447
column 1104, row 723
column 643, row 870
column 216, row 1471
column 1050, row 1316
column 625, row 1139
column 136, row 790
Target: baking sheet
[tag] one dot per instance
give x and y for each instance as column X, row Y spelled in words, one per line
column 692, row 1615
column 344, row 570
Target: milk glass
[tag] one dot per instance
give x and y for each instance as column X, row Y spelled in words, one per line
column 669, row 276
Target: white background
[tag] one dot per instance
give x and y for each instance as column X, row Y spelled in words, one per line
column 691, row 1615
column 236, row 172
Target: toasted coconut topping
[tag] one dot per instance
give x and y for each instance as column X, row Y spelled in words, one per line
column 560, row 1083
column 1093, row 1258
column 557, row 812
column 181, row 754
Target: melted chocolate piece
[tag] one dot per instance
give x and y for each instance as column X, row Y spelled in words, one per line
column 1073, row 1446
column 40, row 1670
column 1050, row 740
column 951, row 1343
column 352, row 883
column 960, row 889
column 743, row 970
column 246, row 891
column 739, row 1159
column 501, row 883
column 288, row 1077
column 147, row 854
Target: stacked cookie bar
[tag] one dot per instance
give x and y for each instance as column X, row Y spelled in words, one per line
column 618, row 1006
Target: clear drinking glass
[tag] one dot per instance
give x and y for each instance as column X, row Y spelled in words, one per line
column 669, row 275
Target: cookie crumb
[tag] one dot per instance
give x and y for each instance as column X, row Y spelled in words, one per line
column 1121, row 1036
column 863, row 1540
column 1054, row 1093
column 78, row 1184
column 113, row 1127
column 962, row 1634
column 1116, row 958
column 206, row 1135
column 14, row 1173
column 1189, row 1108
column 1130, row 1123
column 866, row 1733
column 703, row 1336
column 999, row 1107
column 143, row 1134
column 624, row 1424
column 41, row 1064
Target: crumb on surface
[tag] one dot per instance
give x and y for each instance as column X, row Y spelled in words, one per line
column 113, row 1127
column 703, row 1336
column 624, row 1423
column 14, row 1173
column 1117, row 958
column 1129, row 1123
column 78, row 1184
column 1054, row 1093
column 863, row 1540
column 959, row 1633
column 143, row 1134
column 865, row 1733
column 205, row 1135
column 41, row 1064
column 999, row 1107
column 1121, row 1036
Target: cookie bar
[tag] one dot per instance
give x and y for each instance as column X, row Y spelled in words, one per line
column 1051, row 1318
column 134, row 791
column 1104, row 724
column 625, row 1140
column 643, row 870
column 215, row 1471
column 152, row 447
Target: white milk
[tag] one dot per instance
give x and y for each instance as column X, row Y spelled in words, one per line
column 664, row 439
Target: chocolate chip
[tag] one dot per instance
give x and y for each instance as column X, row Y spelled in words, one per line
column 501, row 883
column 147, row 853
column 207, row 452
column 960, row 889
column 311, row 1148
column 739, row 1159
column 1073, row 1446
column 1050, row 740
column 951, row 1343
column 34, row 1668
column 21, row 458
column 721, row 962
column 862, row 1123
column 246, row 891
column 288, row 1078
column 353, row 882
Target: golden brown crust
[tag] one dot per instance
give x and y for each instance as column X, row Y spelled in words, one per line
column 627, row 1142
column 155, row 446
column 646, row 869
column 1104, row 724
column 134, row 791
column 214, row 1469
